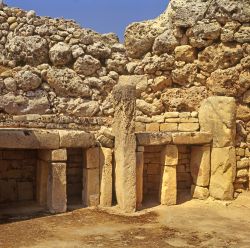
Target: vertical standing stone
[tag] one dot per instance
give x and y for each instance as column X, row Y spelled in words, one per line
column 168, row 187
column 200, row 165
column 106, row 177
column 91, row 177
column 124, row 96
column 223, row 170
column 218, row 116
column 57, row 198
column 139, row 178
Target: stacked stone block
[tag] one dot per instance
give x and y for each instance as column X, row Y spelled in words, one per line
column 241, row 183
column 184, row 179
column 169, row 122
column 152, row 171
column 17, row 175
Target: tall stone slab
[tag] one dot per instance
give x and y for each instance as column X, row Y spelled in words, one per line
column 223, row 170
column 91, row 177
column 217, row 115
column 168, row 186
column 106, row 181
column 124, row 96
column 139, row 178
column 200, row 165
column 57, row 198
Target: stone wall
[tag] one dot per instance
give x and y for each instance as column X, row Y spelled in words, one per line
column 55, row 74
column 17, row 175
column 74, row 174
column 152, row 172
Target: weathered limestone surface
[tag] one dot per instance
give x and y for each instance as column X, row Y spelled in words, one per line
column 156, row 138
column 106, row 182
column 168, row 190
column 198, row 192
column 200, row 165
column 57, row 198
column 223, row 170
column 124, row 95
column 218, row 116
column 139, row 178
column 35, row 139
column 192, row 138
column 42, row 182
column 58, row 155
column 169, row 155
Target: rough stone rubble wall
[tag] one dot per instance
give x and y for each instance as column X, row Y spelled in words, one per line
column 54, row 74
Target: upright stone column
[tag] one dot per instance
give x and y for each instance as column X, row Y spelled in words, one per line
column 139, row 176
column 168, row 187
column 218, row 116
column 53, row 166
column 124, row 97
column 106, row 181
column 91, row 177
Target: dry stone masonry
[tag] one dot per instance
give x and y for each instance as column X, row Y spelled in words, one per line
column 85, row 119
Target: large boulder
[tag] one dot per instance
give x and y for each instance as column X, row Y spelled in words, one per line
column 27, row 80
column 60, row 54
column 87, row 65
column 66, row 82
column 32, row 50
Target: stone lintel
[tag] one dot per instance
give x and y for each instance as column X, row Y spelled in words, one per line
column 153, row 138
column 192, row 138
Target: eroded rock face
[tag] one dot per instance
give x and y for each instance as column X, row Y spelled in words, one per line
column 32, row 50
column 27, row 80
column 60, row 54
column 66, row 82
column 87, row 65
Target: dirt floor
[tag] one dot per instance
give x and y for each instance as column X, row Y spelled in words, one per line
column 191, row 224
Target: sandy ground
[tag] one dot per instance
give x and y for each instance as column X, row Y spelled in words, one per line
column 191, row 224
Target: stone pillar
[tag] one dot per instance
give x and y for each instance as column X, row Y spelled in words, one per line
column 57, row 197
column 168, row 187
column 52, row 174
column 91, row 177
column 200, row 166
column 218, row 116
column 124, row 99
column 106, row 181
column 139, row 176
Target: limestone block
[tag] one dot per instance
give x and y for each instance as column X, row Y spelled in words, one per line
column 124, row 95
column 92, row 157
column 140, row 149
column 217, row 115
column 243, row 163
column 76, row 139
column 152, row 127
column 91, row 187
column 57, row 199
column 168, row 127
column 140, row 127
column 106, row 177
column 223, row 170
column 198, row 192
column 151, row 139
column 42, row 182
column 57, row 155
column 169, row 155
column 188, row 127
column 139, row 179
column 171, row 115
column 29, row 138
column 200, row 165
column 168, row 190
column 192, row 138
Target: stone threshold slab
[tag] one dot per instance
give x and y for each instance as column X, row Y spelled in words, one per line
column 180, row 138
column 15, row 138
